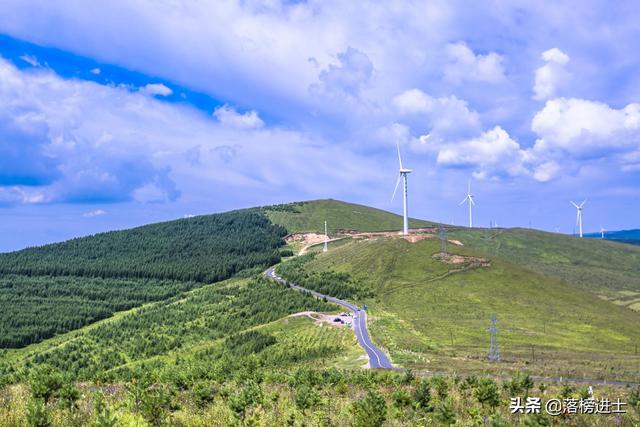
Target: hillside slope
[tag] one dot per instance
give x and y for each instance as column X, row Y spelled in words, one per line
column 310, row 216
column 431, row 314
column 204, row 249
column 608, row 269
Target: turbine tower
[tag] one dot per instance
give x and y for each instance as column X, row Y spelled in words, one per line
column 403, row 172
column 325, row 249
column 469, row 198
column 579, row 217
column 602, row 230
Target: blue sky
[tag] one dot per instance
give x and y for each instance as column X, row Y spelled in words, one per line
column 119, row 114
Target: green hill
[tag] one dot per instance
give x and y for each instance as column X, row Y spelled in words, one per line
column 434, row 315
column 174, row 324
column 607, row 269
column 310, row 216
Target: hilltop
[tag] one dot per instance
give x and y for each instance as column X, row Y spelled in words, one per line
column 309, row 216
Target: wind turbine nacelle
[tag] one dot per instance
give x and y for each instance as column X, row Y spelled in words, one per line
column 406, row 170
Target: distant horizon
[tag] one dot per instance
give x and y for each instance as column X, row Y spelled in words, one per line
column 413, row 217
column 105, row 126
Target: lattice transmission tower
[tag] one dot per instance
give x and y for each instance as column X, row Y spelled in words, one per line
column 442, row 233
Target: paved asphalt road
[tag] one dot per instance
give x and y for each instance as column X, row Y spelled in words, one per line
column 377, row 359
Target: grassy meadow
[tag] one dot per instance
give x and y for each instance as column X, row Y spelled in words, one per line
column 428, row 315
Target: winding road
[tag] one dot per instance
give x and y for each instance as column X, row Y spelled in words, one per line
column 377, row 358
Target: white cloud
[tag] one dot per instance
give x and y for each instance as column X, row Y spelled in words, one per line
column 493, row 152
column 546, row 171
column 107, row 144
column 230, row 117
column 153, row 89
column 31, row 60
column 96, row 71
column 585, row 127
column 552, row 76
column 353, row 70
column 445, row 117
column 464, row 65
column 91, row 214
column 413, row 101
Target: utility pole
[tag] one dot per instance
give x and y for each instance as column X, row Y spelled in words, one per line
column 325, row 238
column 494, row 353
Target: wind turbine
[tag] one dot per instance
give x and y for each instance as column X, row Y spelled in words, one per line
column 579, row 217
column 469, row 198
column 602, row 230
column 402, row 174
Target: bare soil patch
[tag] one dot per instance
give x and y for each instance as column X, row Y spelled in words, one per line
column 470, row 261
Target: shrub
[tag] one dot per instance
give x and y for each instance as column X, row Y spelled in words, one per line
column 422, row 395
column 371, row 411
column 487, row 393
column 445, row 414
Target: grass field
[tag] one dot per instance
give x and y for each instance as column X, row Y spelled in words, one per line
column 430, row 317
column 608, row 269
column 310, row 217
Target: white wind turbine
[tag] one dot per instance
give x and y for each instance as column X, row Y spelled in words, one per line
column 579, row 217
column 469, row 198
column 602, row 230
column 402, row 174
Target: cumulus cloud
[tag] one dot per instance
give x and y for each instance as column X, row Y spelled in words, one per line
column 352, row 71
column 87, row 142
column 228, row 116
column 444, row 117
column 552, row 76
column 493, row 152
column 572, row 130
column 464, row 65
column 91, row 214
column 583, row 127
column 95, row 71
column 154, row 89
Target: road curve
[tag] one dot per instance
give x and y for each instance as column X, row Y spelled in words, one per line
column 377, row 358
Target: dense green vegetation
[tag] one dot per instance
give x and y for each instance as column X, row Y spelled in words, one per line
column 56, row 288
column 35, row 308
column 432, row 314
column 204, row 315
column 298, row 397
column 310, row 217
column 339, row 285
column 202, row 249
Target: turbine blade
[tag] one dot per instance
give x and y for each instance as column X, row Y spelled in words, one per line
column 396, row 189
column 463, row 200
column 399, row 158
column 578, row 218
column 471, row 200
column 577, row 207
column 583, row 202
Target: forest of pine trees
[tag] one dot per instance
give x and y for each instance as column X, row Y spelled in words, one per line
column 60, row 287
